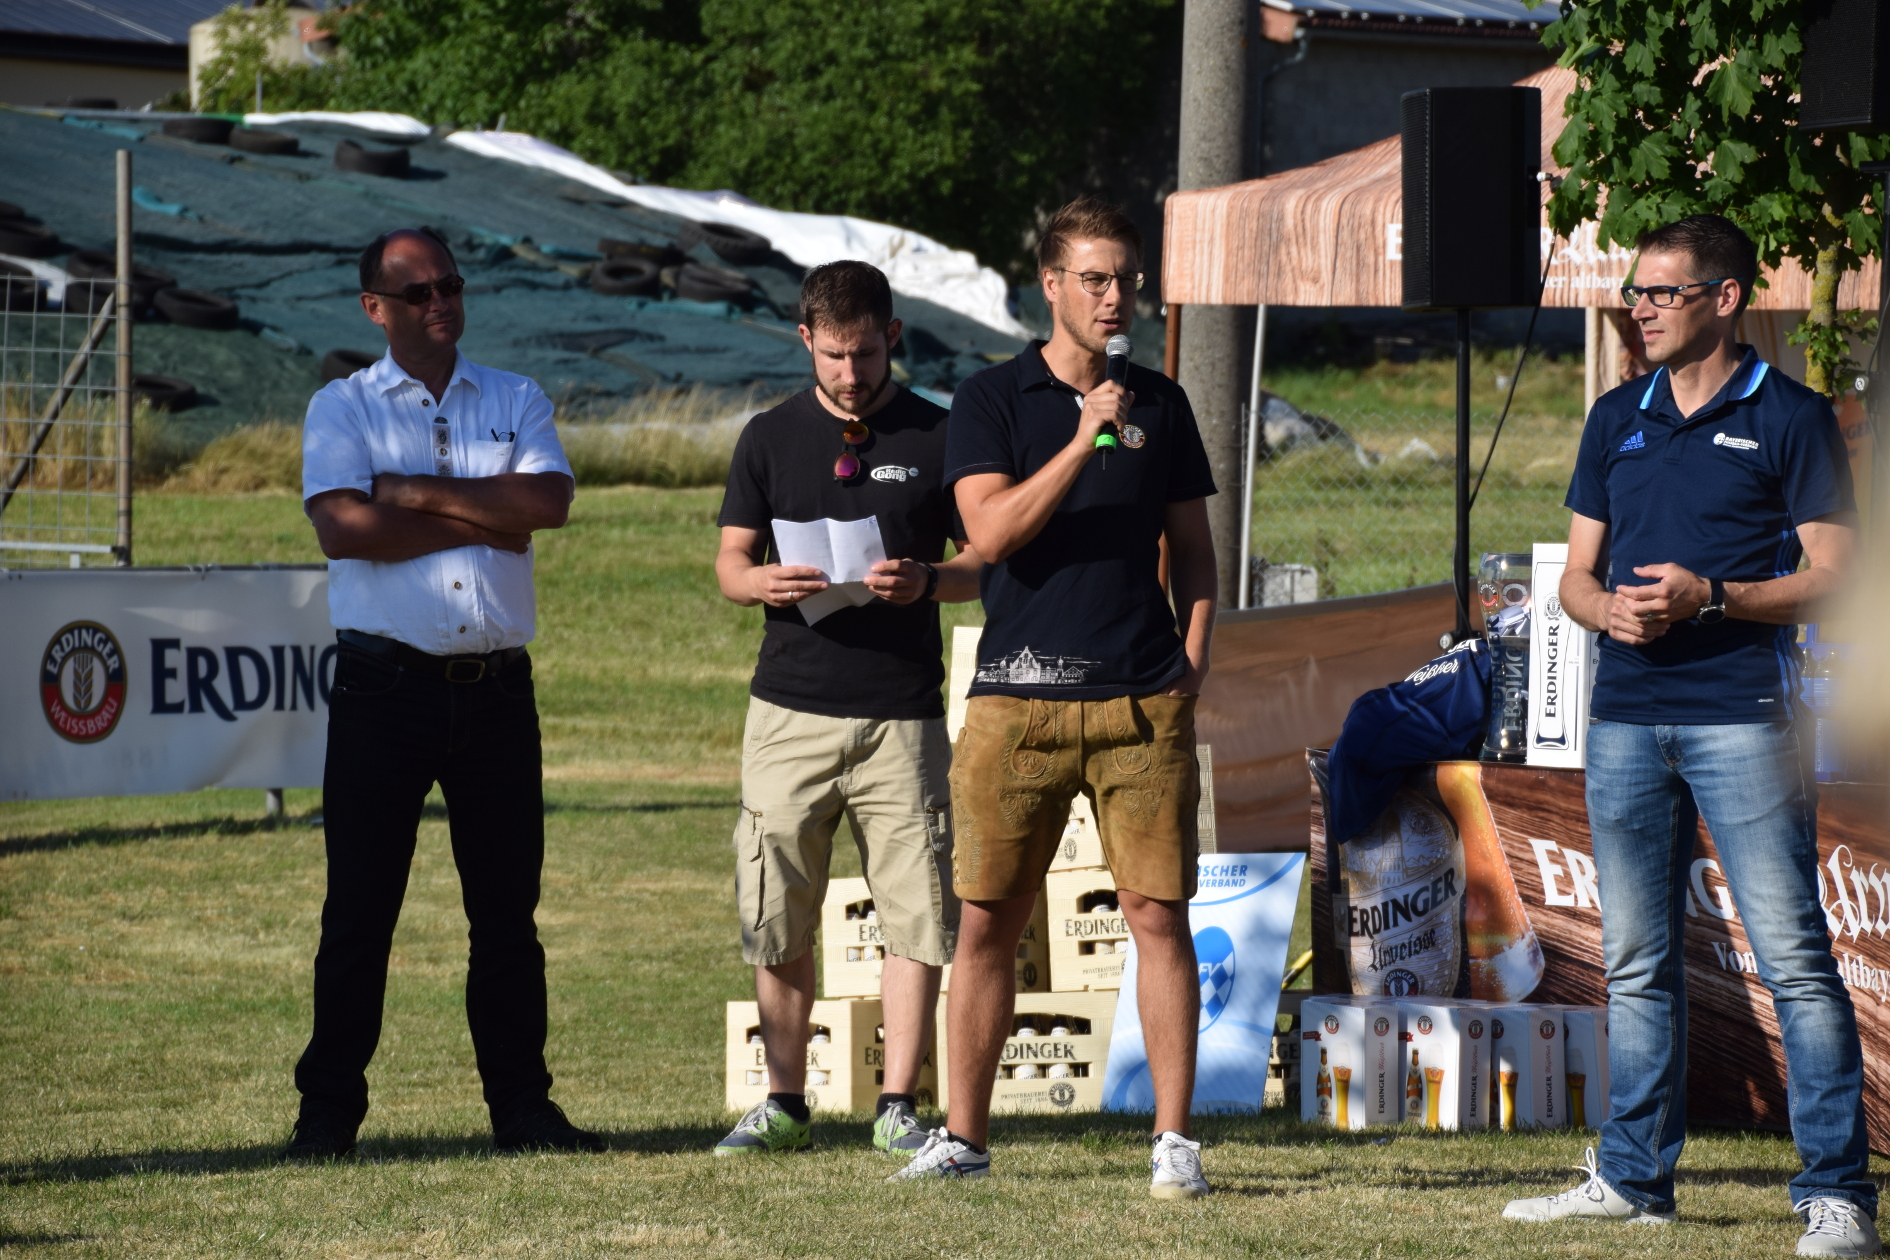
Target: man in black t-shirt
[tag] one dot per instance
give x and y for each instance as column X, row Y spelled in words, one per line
column 1087, row 676
column 844, row 713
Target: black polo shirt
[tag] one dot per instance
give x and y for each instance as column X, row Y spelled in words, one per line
column 1078, row 612
column 880, row 660
column 1720, row 493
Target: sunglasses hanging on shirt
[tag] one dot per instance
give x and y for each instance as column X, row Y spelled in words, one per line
column 847, row 467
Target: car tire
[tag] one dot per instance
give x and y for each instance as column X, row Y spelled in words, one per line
column 97, row 264
column 390, row 163
column 712, row 284
column 661, row 255
column 195, row 309
column 626, row 277
column 19, row 288
column 164, row 393
column 730, row 243
column 255, row 140
column 339, row 365
column 200, row 129
column 28, row 240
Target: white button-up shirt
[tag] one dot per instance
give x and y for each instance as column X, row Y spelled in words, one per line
column 381, row 420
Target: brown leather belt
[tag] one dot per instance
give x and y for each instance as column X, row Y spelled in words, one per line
column 469, row 668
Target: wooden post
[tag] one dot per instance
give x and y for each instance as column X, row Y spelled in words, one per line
column 1171, row 345
column 122, row 548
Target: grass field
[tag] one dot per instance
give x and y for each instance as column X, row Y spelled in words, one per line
column 154, row 974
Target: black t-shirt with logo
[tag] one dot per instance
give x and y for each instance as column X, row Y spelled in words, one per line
column 1078, row 612
column 879, row 660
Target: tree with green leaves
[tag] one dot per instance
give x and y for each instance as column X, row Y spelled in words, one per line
column 962, row 119
column 1690, row 107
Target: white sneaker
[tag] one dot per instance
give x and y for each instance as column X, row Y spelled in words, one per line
column 1177, row 1163
column 1594, row 1199
column 944, row 1156
column 1837, row 1227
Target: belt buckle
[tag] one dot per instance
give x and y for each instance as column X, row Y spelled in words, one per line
column 477, row 666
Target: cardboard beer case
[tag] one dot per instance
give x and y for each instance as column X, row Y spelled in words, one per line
column 1585, row 1063
column 1446, row 1063
column 1350, row 1049
column 1527, row 1087
column 844, row 1073
column 1080, row 849
column 1077, row 1056
column 853, row 948
column 1562, row 661
column 1089, row 936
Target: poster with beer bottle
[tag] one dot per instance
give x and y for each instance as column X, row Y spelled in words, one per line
column 1423, row 901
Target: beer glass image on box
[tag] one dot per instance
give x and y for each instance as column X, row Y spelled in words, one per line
column 1354, row 1044
column 1450, row 1061
column 1585, row 1063
column 1426, row 904
column 1561, row 670
column 1526, row 1053
column 846, row 1058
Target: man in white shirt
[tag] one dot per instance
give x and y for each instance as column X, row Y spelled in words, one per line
column 425, row 476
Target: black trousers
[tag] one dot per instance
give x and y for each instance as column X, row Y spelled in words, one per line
column 392, row 734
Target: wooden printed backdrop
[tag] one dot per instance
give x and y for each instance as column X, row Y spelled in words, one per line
column 1735, row 1065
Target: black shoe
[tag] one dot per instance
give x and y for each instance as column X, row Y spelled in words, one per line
column 542, row 1126
column 318, row 1138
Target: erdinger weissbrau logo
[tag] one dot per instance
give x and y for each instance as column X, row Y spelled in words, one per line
column 82, row 682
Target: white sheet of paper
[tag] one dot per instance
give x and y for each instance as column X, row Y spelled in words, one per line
column 845, row 551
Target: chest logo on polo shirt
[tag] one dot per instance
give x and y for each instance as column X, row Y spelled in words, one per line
column 1634, row 443
column 893, row 472
column 1737, row 443
column 1133, row 437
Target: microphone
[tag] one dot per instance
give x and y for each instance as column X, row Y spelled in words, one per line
column 1118, row 348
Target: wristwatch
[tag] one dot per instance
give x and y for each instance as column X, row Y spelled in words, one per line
column 931, row 580
column 1714, row 609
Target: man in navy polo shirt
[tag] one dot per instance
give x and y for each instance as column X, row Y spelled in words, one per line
column 1696, row 493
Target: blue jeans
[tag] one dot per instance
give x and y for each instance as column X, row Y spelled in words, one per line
column 1647, row 788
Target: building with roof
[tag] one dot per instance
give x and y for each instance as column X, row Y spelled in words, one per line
column 1328, row 74
column 129, row 52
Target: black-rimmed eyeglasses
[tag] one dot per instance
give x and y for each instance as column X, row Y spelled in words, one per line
column 1663, row 295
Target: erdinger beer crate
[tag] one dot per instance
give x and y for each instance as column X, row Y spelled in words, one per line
column 1447, row 1066
column 1528, row 1087
column 1054, row 1059
column 853, row 948
column 1585, row 1063
column 846, row 1058
column 1080, row 849
column 1089, row 936
column 1351, row 1049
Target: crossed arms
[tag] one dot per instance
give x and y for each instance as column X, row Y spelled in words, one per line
column 413, row 516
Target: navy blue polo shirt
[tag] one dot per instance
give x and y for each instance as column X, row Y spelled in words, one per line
column 1720, row 493
column 1078, row 612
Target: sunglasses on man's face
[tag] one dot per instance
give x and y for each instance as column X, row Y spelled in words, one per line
column 847, row 467
column 421, row 294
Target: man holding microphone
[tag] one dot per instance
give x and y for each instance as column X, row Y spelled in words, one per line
column 1087, row 675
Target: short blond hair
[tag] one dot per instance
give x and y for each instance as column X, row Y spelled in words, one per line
column 1085, row 219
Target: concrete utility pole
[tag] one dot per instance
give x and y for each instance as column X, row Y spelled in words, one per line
column 1213, row 140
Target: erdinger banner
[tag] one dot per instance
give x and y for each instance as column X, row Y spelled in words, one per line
column 129, row 682
column 1481, row 874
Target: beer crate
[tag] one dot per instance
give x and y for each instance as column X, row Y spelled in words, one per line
column 853, row 949
column 1283, row 1060
column 1089, row 937
column 1447, row 1075
column 1351, row 1049
column 1043, row 1070
column 1585, row 1063
column 1528, row 1085
column 846, row 1058
column 1080, row 849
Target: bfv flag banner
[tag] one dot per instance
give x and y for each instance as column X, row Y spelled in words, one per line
column 1241, row 917
column 129, row 682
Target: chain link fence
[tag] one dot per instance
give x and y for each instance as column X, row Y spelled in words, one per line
column 1355, row 502
column 65, row 406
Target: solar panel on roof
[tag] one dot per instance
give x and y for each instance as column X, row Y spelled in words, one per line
column 143, row 21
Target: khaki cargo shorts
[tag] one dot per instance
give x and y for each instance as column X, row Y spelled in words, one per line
column 800, row 773
column 1020, row 763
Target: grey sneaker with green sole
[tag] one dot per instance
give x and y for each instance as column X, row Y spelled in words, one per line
column 766, row 1128
column 898, row 1131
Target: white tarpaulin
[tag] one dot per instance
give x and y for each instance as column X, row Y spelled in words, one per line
column 1241, row 917
column 915, row 265
column 132, row 682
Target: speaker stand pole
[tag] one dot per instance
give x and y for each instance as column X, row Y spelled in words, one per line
column 1460, row 564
